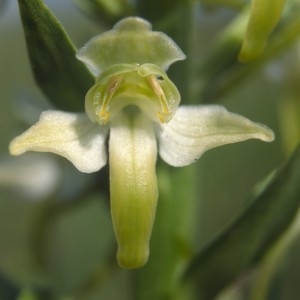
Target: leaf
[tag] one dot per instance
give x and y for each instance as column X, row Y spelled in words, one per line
column 62, row 78
column 251, row 236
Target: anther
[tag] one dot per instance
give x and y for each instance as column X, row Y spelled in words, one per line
column 103, row 113
column 164, row 114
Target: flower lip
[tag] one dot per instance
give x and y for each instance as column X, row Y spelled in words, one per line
column 147, row 86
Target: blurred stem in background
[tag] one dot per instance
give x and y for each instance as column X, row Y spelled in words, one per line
column 289, row 109
column 173, row 239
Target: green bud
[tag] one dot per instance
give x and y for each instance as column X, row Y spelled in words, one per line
column 263, row 18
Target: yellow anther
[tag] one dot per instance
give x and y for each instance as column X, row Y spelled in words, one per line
column 102, row 109
column 164, row 114
column 146, row 87
column 103, row 115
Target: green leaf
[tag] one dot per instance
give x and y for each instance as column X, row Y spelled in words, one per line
column 62, row 78
column 251, row 236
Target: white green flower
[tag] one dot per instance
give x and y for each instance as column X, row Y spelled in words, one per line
column 134, row 103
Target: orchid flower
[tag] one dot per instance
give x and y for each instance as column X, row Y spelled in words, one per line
column 136, row 104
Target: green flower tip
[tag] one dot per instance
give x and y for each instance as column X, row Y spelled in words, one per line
column 129, row 259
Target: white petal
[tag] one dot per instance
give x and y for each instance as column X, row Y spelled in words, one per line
column 196, row 129
column 133, row 186
column 131, row 41
column 70, row 135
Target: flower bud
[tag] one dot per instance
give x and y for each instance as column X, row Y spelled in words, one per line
column 263, row 18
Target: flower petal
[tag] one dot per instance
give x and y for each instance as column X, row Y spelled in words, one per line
column 133, row 186
column 70, row 135
column 130, row 41
column 196, row 129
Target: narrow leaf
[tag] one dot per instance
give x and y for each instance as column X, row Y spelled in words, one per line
column 250, row 237
column 62, row 78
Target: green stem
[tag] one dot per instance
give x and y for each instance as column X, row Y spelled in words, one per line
column 171, row 244
column 172, row 239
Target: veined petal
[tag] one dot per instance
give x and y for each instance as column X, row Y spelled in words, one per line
column 130, row 41
column 71, row 135
column 196, row 129
column 133, row 186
